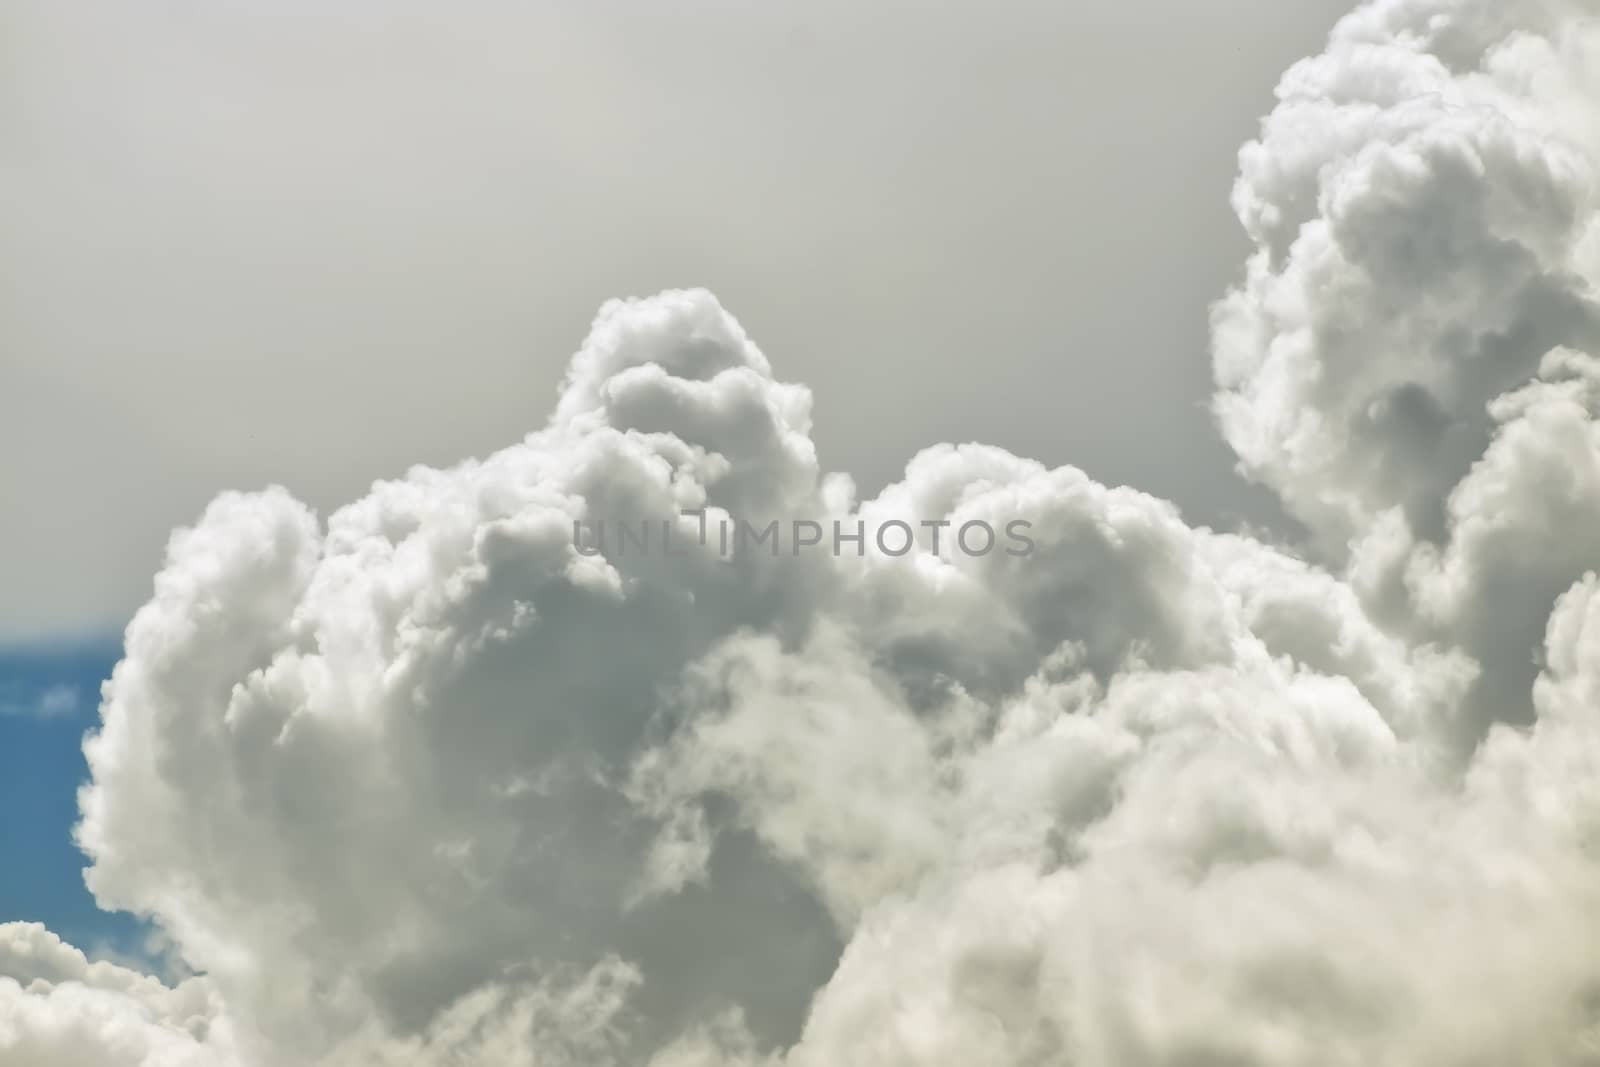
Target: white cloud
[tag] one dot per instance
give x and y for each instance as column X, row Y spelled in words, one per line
column 1423, row 201
column 58, row 1009
column 422, row 784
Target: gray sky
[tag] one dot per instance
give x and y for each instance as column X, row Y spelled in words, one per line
column 243, row 243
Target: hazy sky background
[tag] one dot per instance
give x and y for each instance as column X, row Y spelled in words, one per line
column 243, row 243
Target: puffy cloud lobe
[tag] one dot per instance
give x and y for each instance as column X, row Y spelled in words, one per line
column 1406, row 361
column 378, row 687
column 1418, row 215
column 58, row 1009
column 421, row 783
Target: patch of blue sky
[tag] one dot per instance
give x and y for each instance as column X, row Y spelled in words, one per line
column 49, row 699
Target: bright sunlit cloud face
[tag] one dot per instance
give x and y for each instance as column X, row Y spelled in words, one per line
column 423, row 781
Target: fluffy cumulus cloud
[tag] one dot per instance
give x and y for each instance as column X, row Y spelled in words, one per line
column 57, row 1009
column 425, row 782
